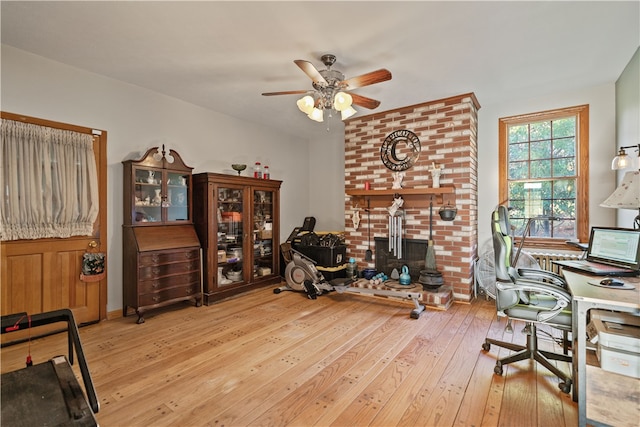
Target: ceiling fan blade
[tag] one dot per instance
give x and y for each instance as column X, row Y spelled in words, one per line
column 363, row 101
column 367, row 79
column 288, row 92
column 311, row 71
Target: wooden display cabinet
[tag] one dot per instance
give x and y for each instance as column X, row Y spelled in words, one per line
column 238, row 222
column 161, row 250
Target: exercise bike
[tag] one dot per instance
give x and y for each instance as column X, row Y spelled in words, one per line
column 302, row 275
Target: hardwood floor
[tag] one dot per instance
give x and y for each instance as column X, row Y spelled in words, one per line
column 263, row 359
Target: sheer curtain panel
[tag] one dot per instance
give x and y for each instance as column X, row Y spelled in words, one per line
column 49, row 182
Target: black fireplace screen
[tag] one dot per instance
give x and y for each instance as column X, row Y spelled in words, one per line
column 414, row 252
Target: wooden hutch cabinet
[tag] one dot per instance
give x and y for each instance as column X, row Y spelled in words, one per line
column 160, row 247
column 238, row 222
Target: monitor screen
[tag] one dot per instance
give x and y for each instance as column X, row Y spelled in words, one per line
column 619, row 246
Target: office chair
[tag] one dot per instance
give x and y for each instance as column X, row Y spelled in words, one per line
column 533, row 296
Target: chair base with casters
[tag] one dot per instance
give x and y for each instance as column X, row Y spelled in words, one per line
column 531, row 351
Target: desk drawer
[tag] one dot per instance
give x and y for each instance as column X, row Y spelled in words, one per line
column 157, row 258
column 154, row 285
column 183, row 292
column 166, row 270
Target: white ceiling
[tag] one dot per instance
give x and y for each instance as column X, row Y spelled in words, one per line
column 223, row 55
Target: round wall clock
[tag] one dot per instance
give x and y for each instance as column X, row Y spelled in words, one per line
column 400, row 150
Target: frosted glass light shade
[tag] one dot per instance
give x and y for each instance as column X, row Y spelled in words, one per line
column 317, row 115
column 342, row 101
column 306, row 104
column 347, row 112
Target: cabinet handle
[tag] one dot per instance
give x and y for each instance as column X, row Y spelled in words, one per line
column 156, row 298
column 155, row 257
column 155, row 285
column 155, row 271
column 189, row 255
column 189, row 290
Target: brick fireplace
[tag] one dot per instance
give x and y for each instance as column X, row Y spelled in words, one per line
column 447, row 130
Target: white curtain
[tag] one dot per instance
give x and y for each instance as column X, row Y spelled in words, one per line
column 49, row 182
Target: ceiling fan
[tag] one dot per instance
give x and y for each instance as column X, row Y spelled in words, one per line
column 330, row 89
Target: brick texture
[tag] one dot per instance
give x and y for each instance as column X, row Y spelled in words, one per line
column 447, row 130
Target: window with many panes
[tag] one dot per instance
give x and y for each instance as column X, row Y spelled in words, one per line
column 544, row 174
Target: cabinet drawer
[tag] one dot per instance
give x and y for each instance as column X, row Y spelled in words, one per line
column 169, row 294
column 155, row 258
column 158, row 271
column 149, row 286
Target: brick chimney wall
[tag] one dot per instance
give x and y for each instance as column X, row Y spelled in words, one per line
column 447, row 130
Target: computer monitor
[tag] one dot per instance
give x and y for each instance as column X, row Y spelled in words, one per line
column 615, row 246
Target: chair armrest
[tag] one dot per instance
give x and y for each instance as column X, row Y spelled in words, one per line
column 537, row 274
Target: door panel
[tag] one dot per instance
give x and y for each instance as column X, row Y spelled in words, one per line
column 39, row 277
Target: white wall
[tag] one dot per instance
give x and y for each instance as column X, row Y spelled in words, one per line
column 601, row 100
column 326, row 183
column 628, row 123
column 137, row 119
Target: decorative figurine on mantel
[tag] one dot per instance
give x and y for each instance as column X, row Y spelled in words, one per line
column 397, row 180
column 355, row 217
column 436, row 170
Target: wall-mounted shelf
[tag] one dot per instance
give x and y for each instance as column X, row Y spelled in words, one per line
column 413, row 197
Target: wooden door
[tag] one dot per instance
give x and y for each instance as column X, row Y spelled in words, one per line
column 44, row 274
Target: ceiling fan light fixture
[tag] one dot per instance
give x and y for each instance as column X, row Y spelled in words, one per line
column 306, row 104
column 342, row 101
column 347, row 112
column 317, row 115
column 329, row 90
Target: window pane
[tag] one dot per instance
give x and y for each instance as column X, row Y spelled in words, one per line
column 564, row 127
column 518, row 152
column 518, row 133
column 541, row 169
column 564, row 189
column 563, row 167
column 541, row 150
column 518, row 170
column 541, row 130
column 565, row 229
column 565, row 147
column 546, row 189
column 540, row 228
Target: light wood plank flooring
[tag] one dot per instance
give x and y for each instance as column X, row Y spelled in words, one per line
column 263, row 359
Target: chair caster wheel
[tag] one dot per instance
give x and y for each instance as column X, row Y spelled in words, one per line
column 565, row 387
column 486, row 346
column 498, row 369
column 277, row 290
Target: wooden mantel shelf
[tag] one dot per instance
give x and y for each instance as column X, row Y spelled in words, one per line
column 413, row 197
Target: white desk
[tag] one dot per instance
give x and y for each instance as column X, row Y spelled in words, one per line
column 617, row 405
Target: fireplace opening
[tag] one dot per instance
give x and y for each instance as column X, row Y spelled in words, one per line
column 414, row 252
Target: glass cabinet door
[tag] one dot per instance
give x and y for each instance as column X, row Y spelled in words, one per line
column 263, row 259
column 230, row 235
column 160, row 196
column 177, row 196
column 148, row 195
